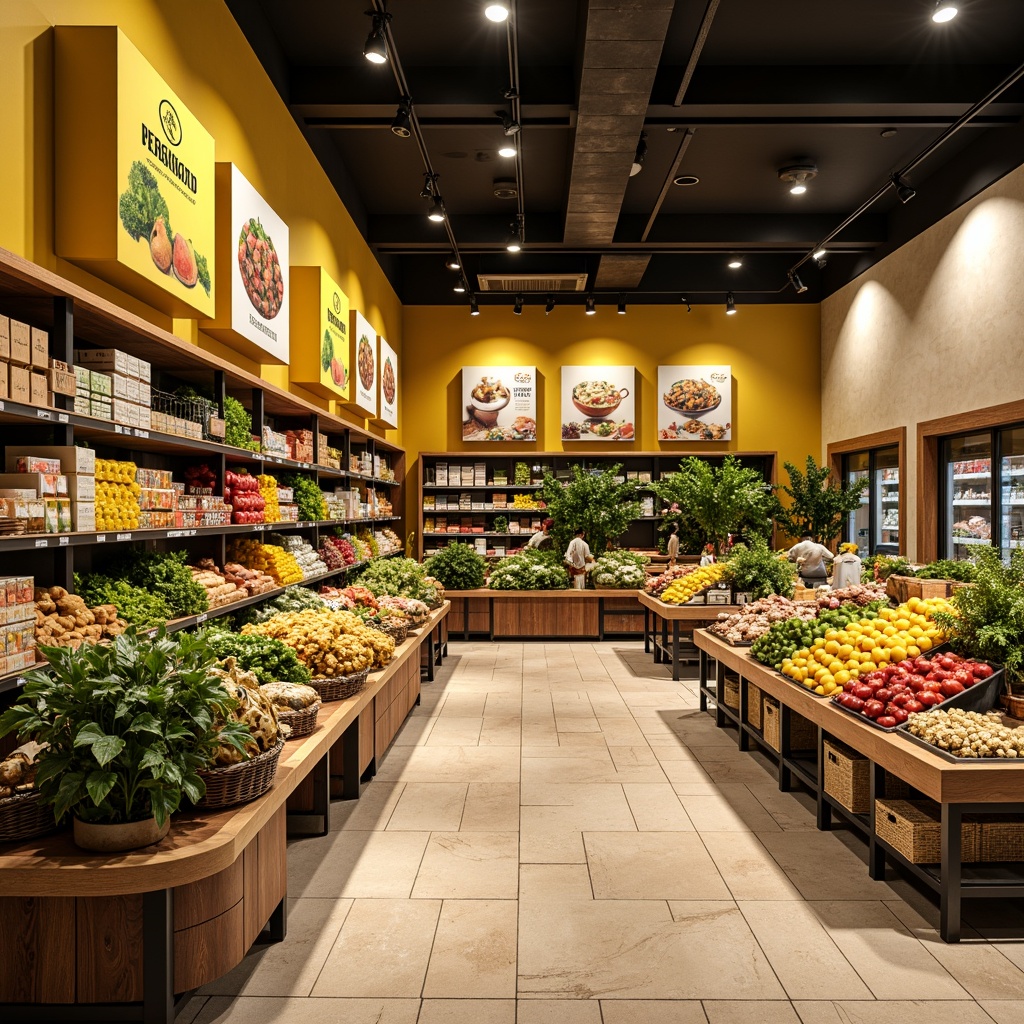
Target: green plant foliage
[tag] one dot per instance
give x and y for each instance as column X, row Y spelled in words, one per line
column 398, row 577
column 163, row 573
column 269, row 660
column 500, row 524
column 988, row 618
column 760, row 570
column 457, row 567
column 878, row 568
column 142, row 203
column 948, row 569
column 308, row 497
column 128, row 725
column 531, row 570
column 711, row 502
column 238, row 425
column 136, row 605
column 818, row 505
column 294, row 599
column 623, row 569
column 593, row 502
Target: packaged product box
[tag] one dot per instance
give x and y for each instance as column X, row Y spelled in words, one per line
column 82, row 374
column 5, row 338
column 39, row 393
column 110, row 359
column 100, row 383
column 102, row 408
column 19, row 383
column 145, row 393
column 61, row 379
column 41, row 485
column 3, row 381
column 133, row 367
column 120, row 385
column 145, row 371
column 40, row 357
column 81, row 487
column 122, row 411
column 133, row 390
column 65, row 459
column 50, row 516
column 21, row 344
column 83, row 406
column 63, row 515
column 36, row 518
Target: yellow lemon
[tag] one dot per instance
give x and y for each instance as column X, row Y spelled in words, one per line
column 842, row 677
column 924, row 643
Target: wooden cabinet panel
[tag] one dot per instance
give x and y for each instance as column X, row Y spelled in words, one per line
column 301, row 799
column 366, row 722
column 37, row 949
column 251, row 924
column 109, row 948
column 208, row 898
column 206, row 951
column 272, row 840
column 546, row 616
column 479, row 615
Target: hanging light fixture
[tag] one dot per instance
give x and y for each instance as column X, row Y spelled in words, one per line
column 730, row 305
column 904, row 193
column 944, row 11
column 622, row 306
column 640, row 156
column 452, row 263
column 401, row 125
column 460, row 286
column 686, row 302
column 509, row 125
column 517, row 306
column 514, row 241
column 474, row 309
column 496, row 12
column 436, row 213
column 508, row 150
column 591, row 310
column 549, row 306
column 798, row 286
column 375, row 50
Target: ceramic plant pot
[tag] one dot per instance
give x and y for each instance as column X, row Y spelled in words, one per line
column 129, row 835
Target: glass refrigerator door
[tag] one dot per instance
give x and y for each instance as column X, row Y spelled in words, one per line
column 886, row 496
column 1012, row 490
column 856, row 468
column 968, row 494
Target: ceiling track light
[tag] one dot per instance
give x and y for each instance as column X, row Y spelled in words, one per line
column 591, row 309
column 622, row 306
column 797, row 176
column 507, row 151
column 453, row 262
column 375, row 49
column 509, row 125
column 514, row 242
column 496, row 12
column 640, row 156
column 730, row 304
column 735, row 263
column 436, row 213
column 794, row 279
column 517, row 306
column 474, row 308
column 686, row 302
column 549, row 306
column 460, row 286
column 944, row 11
column 401, row 125
column 904, row 192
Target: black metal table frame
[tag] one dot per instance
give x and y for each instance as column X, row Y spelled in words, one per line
column 674, row 654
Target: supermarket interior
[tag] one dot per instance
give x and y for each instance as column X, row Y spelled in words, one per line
column 512, row 512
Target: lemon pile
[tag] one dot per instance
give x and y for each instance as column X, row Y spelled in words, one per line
column 682, row 590
column 267, row 558
column 842, row 655
column 117, row 495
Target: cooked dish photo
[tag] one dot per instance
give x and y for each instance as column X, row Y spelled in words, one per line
column 598, row 394
column 387, row 381
column 692, row 396
column 365, row 362
column 695, row 429
column 489, row 390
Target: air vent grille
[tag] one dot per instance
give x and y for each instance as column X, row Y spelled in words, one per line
column 526, row 283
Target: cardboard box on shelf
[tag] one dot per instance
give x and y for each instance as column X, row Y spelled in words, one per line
column 109, row 359
column 69, row 458
column 83, row 516
column 83, row 406
column 31, row 462
column 120, row 385
column 5, row 338
column 133, row 367
column 19, row 384
column 61, row 379
column 101, row 408
column 3, row 381
column 81, row 487
column 21, row 344
column 100, row 383
column 63, row 515
column 45, row 485
column 122, row 411
column 40, row 348
column 39, row 393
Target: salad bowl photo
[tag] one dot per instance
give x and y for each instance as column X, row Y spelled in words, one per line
column 595, row 398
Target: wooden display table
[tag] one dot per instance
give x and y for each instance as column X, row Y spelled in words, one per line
column 129, row 931
column 680, row 619
column 983, row 787
column 534, row 614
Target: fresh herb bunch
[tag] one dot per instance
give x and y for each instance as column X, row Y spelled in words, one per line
column 501, row 524
column 760, row 570
column 593, row 502
column 238, row 425
column 163, row 573
column 948, row 569
column 269, row 660
column 136, row 605
column 531, row 570
column 126, row 726
column 621, row 568
column 308, row 497
column 522, row 474
column 458, row 567
column 988, row 618
column 398, row 577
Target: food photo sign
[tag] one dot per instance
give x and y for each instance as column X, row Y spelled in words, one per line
column 388, row 415
column 694, row 403
column 499, row 403
column 363, row 360
column 319, row 326
column 252, row 314
column 598, row 403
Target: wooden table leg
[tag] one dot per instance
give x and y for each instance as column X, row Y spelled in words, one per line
column 876, row 854
column 158, row 957
column 350, row 787
column 647, row 632
column 701, row 688
column 823, row 808
column 950, row 894
column 279, row 921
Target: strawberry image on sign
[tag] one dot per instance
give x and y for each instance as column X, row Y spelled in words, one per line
column 260, row 268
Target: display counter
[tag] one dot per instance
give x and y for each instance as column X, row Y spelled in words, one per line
column 984, row 787
column 544, row 614
column 668, row 628
column 131, row 930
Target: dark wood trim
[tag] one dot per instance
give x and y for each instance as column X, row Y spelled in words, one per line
column 879, row 439
column 928, row 434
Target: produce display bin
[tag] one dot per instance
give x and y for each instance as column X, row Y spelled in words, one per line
column 731, row 691
column 802, row 733
column 755, row 701
column 847, row 777
column 913, row 828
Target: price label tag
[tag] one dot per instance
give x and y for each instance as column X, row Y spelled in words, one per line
column 42, row 543
column 62, row 417
column 118, row 429
column 124, row 536
column 64, row 541
column 180, row 533
column 259, row 527
column 44, row 414
column 101, row 538
column 141, row 433
column 1, row 406
column 201, row 618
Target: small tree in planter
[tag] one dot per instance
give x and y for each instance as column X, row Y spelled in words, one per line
column 458, row 567
column 759, row 571
column 819, row 504
column 592, row 502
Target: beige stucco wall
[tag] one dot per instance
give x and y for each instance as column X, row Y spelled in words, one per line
column 934, row 329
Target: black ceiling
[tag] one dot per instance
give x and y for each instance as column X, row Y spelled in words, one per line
column 765, row 84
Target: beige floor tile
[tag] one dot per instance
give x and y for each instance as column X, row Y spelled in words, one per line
column 468, row 1011
column 382, row 951
column 671, row 749
column 622, row 732
column 652, row 866
column 550, row 846
column 597, row 752
column 358, row 864
column 415, row 730
column 464, row 705
column 190, row 1011
column 727, row 810
column 452, row 731
column 582, row 741
column 802, row 854
column 685, row 773
column 652, row 1011
column 501, row 731
column 291, row 967
column 452, row 764
column 558, row 1011
column 554, row 882
column 371, row 812
column 255, row 1010
column 474, row 954
column 656, row 807
column 873, row 939
column 794, row 813
column 429, row 807
column 892, row 1012
column 491, row 807
column 805, row 959
column 594, row 808
column 740, row 771
column 568, row 770
column 574, row 723
column 1004, row 1011
column 469, row 866
column 747, row 867
column 738, row 1011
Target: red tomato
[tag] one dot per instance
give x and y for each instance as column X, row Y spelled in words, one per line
column 862, row 691
column 950, row 688
column 932, row 686
column 913, row 706
column 929, row 698
column 886, row 721
column 873, row 708
column 981, row 670
column 884, row 695
column 901, row 715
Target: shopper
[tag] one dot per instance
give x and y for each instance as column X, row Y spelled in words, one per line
column 846, row 569
column 707, row 556
column 577, row 558
column 672, row 547
column 810, row 558
column 542, row 538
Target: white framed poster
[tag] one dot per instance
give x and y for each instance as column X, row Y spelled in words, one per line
column 598, row 403
column 365, row 364
column 499, row 403
column 694, row 403
column 388, row 384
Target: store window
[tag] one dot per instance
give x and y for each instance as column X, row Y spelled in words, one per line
column 875, row 526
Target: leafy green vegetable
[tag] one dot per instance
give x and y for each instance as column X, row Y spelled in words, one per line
column 140, row 206
column 269, row 660
column 591, row 501
column 948, row 569
column 308, row 496
column 531, row 570
column 163, row 573
column 327, row 352
column 204, row 272
column 877, row 568
column 623, row 569
column 457, row 566
column 238, row 425
column 759, row 570
column 294, row 599
column 135, row 605
column 398, row 577
column 819, row 505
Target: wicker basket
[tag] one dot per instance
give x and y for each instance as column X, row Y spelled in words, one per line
column 848, row 779
column 1002, row 840
column 301, row 722
column 731, row 692
column 340, row 687
column 24, row 816
column 803, row 734
column 755, row 701
column 914, row 829
column 239, row 783
column 394, row 627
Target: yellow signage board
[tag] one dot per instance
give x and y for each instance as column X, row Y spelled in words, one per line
column 319, row 334
column 135, row 189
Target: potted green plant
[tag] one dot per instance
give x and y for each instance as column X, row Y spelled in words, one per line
column 759, row 571
column 818, row 504
column 457, row 567
column 593, row 501
column 127, row 726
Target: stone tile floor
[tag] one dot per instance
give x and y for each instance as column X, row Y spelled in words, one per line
column 559, row 836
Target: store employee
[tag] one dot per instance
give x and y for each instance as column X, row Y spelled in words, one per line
column 810, row 558
column 542, row 538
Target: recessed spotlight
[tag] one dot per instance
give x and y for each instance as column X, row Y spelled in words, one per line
column 944, row 11
column 505, row 188
column 730, row 305
column 496, row 12
column 887, row 133
column 507, row 151
column 590, row 306
column 686, row 179
column 735, row 263
column 797, row 177
column 452, row 263
column 375, row 50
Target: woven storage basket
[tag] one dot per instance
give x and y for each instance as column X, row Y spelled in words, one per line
column 239, row 783
column 731, row 692
column 1002, row 840
column 302, row 722
column 913, row 828
column 803, row 735
column 847, row 777
column 24, row 816
column 341, row 687
column 755, row 697
column 394, row 627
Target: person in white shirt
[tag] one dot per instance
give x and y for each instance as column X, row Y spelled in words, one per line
column 707, row 556
column 846, row 569
column 577, row 557
column 542, row 538
column 810, row 557
column 672, row 547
